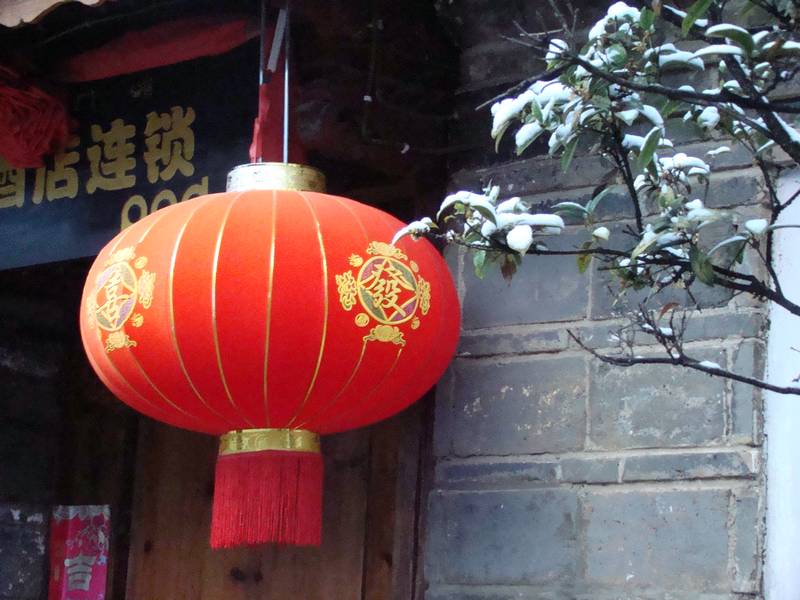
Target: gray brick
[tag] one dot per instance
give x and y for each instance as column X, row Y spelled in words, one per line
column 590, row 470
column 545, row 289
column 443, row 414
column 669, row 540
column 511, row 341
column 655, row 406
column 746, row 400
column 495, row 472
column 733, row 189
column 706, row 465
column 502, row 537
column 518, row 407
column 720, row 326
column 747, row 534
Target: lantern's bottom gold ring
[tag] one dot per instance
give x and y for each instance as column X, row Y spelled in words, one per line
column 258, row 440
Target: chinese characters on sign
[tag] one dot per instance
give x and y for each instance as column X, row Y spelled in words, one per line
column 143, row 141
column 169, row 146
column 79, row 545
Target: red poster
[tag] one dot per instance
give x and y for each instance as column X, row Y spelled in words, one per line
column 79, row 552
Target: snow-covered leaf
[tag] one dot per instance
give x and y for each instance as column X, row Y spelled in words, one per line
column 726, row 49
column 601, row 233
column 756, row 227
column 733, row 32
column 526, row 135
column 415, row 229
column 520, row 238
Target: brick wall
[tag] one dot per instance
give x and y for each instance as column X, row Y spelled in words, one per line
column 560, row 477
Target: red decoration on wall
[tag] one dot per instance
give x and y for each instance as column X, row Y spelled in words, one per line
column 33, row 123
column 158, row 46
column 268, row 309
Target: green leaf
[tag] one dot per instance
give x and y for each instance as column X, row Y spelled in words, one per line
column 486, row 213
column 646, row 18
column 479, row 263
column 499, row 137
column 536, row 110
column 733, row 32
column 696, row 11
column 617, row 55
column 570, row 210
column 669, row 107
column 583, row 260
column 592, row 204
column 569, row 152
column 701, row 265
column 649, row 147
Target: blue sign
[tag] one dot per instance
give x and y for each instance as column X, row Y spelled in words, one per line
column 144, row 141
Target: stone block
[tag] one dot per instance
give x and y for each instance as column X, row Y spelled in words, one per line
column 517, row 407
column 655, row 406
column 502, row 537
column 494, row 472
column 669, row 540
column 544, row 289
column 747, row 535
column 511, row 340
column 704, row 465
column 590, row 470
column 746, row 400
column 733, row 189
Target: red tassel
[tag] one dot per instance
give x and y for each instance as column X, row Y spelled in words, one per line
column 269, row 496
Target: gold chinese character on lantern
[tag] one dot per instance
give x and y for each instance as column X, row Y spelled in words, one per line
column 12, row 185
column 111, row 159
column 169, row 144
column 60, row 181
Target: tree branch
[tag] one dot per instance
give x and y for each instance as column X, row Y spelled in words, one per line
column 682, row 360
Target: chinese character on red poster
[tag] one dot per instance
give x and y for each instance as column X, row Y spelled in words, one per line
column 79, row 552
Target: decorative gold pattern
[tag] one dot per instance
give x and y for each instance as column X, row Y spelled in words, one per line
column 386, row 333
column 384, row 249
column 424, row 290
column 348, row 289
column 117, row 340
column 117, row 291
column 388, row 288
column 260, row 440
column 121, row 255
column 147, row 281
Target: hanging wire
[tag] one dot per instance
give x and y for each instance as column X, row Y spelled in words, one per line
column 286, row 84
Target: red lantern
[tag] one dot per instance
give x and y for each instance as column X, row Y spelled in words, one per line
column 270, row 316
